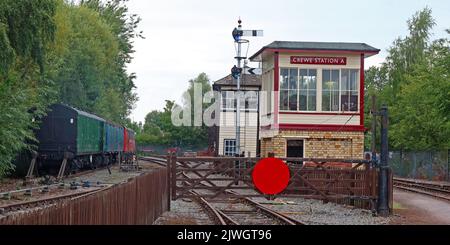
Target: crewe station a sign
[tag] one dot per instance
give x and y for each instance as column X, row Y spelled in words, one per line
column 311, row 60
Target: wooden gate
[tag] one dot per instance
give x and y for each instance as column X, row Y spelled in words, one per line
column 312, row 179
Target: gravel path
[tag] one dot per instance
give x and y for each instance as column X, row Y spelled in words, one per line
column 314, row 212
column 184, row 212
column 417, row 209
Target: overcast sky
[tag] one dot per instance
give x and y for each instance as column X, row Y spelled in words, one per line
column 185, row 38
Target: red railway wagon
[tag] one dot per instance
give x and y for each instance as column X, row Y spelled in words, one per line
column 129, row 146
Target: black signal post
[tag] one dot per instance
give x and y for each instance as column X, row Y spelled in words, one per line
column 383, row 193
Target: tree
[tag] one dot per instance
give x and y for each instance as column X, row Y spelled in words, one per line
column 407, row 52
column 61, row 51
column 423, row 106
column 199, row 132
column 93, row 46
column 124, row 27
column 24, row 90
column 159, row 129
column 414, row 83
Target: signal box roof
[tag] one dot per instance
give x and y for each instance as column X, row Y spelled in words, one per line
column 246, row 80
column 317, row 46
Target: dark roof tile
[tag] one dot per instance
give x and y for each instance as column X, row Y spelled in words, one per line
column 335, row 46
column 246, row 80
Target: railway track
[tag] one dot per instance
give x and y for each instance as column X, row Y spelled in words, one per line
column 45, row 194
column 158, row 160
column 234, row 209
column 43, row 201
column 440, row 191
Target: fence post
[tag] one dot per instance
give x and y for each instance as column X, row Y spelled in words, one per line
column 173, row 170
column 383, row 193
column 448, row 165
column 168, row 162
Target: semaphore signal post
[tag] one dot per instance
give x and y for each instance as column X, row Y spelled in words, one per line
column 236, row 72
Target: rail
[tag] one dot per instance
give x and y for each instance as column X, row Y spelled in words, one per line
column 225, row 219
column 436, row 190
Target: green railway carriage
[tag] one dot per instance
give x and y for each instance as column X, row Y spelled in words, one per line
column 89, row 133
column 66, row 130
column 86, row 140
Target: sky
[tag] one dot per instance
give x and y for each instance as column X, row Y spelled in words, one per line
column 184, row 38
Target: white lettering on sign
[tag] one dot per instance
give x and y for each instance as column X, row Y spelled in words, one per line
column 318, row 60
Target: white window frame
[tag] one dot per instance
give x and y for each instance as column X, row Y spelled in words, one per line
column 248, row 96
column 298, row 90
column 225, row 147
column 339, row 89
column 307, row 90
column 227, row 99
column 349, row 70
column 288, row 89
column 319, row 90
column 231, row 100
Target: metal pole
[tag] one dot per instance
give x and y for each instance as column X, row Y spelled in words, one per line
column 448, row 165
column 374, row 132
column 168, row 163
column 238, row 97
column 173, row 177
column 383, row 193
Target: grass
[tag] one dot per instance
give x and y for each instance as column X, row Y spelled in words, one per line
column 398, row 206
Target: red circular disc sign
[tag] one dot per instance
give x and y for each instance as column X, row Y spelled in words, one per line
column 271, row 176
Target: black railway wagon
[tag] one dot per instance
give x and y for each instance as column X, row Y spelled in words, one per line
column 73, row 134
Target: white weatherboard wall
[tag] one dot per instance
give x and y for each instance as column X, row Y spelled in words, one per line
column 319, row 119
column 249, row 130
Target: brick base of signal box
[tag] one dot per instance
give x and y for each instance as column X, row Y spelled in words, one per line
column 317, row 144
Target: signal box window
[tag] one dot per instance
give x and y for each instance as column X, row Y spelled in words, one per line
column 330, row 90
column 229, row 147
column 349, row 90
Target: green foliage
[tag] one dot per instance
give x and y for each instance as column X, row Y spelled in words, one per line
column 93, row 47
column 135, row 126
column 415, row 83
column 159, row 130
column 61, row 51
column 423, row 107
column 29, row 25
column 124, row 27
column 24, row 90
column 407, row 52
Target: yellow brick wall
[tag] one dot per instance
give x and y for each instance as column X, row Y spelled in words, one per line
column 279, row 146
column 266, row 147
column 318, row 144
